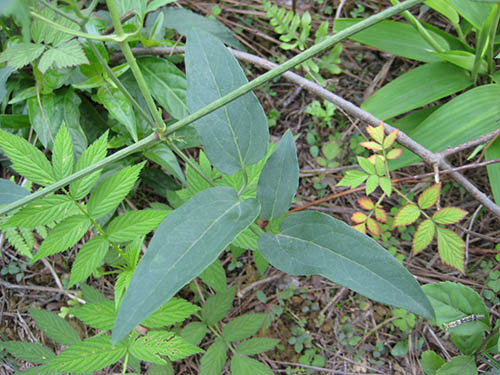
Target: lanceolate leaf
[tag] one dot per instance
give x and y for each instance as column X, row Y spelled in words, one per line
column 279, row 179
column 90, row 355
column 55, row 327
column 243, row 327
column 108, row 195
column 62, row 154
column 449, row 215
column 167, row 84
column 256, row 345
column 187, row 241
column 493, row 152
column 314, row 243
column 451, row 248
column 163, row 155
column 88, row 259
column 134, row 224
column 28, row 351
column 429, row 196
column 43, row 211
column 423, row 236
column 174, row 311
column 10, row 191
column 216, row 307
column 236, row 134
column 65, row 234
column 242, row 365
column 214, row 360
column 406, row 215
column 26, row 159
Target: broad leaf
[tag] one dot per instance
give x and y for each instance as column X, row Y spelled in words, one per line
column 279, row 179
column 43, row 211
column 11, row 192
column 446, row 80
column 217, row 306
column 194, row 332
column 315, row 243
column 176, row 310
column 214, row 360
column 451, row 248
column 431, row 362
column 67, row 54
column 257, row 345
column 21, row 54
column 236, row 134
column 108, row 195
column 474, row 12
column 90, row 355
column 100, row 315
column 65, row 234
column 463, row 365
column 134, row 224
column 429, row 196
column 62, row 154
column 406, row 215
column 449, row 215
column 28, row 351
column 89, row 258
column 241, row 365
column 243, row 327
column 26, row 159
column 162, row 154
column 55, row 327
column 463, row 59
column 446, row 9
column 167, row 84
column 187, row 241
column 423, row 236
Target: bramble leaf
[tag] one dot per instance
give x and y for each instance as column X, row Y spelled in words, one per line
column 360, row 227
column 381, row 215
column 391, row 137
column 370, row 145
column 373, row 227
column 449, row 215
column 88, row 259
column 256, row 345
column 55, row 327
column 359, row 217
column 217, row 306
column 451, row 248
column 385, row 185
column 43, row 211
column 406, row 215
column 367, row 165
column 429, row 196
column 21, row 54
column 134, row 224
column 376, row 132
column 394, row 153
column 215, row 276
column 62, row 154
column 242, row 365
column 423, row 236
column 243, row 327
column 28, row 351
column 366, row 203
column 371, row 184
column 214, row 359
column 64, row 55
column 176, row 310
column 353, row 179
column 100, row 315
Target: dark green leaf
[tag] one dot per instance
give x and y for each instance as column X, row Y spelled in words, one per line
column 243, row 327
column 217, row 306
column 97, row 315
column 194, row 332
column 214, row 360
column 89, row 258
column 492, row 153
column 187, row 241
column 14, row 121
column 163, row 155
column 315, row 243
column 257, row 345
column 236, row 134
column 11, row 192
column 215, row 276
column 463, row 365
column 55, row 327
column 241, row 365
column 28, row 351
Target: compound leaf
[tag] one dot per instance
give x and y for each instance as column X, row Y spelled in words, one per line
column 423, row 236
column 42, row 211
column 88, row 259
column 28, row 351
column 257, row 345
column 62, row 154
column 241, row 365
column 429, row 196
column 21, row 54
column 406, row 215
column 243, row 327
column 449, row 215
column 215, row 276
column 214, row 359
column 133, row 224
column 176, row 310
column 217, row 306
column 451, row 248
column 64, row 55
column 100, row 315
column 55, row 327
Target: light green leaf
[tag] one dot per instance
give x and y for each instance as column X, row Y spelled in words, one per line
column 28, row 351
column 385, row 185
column 55, row 327
column 100, row 315
column 62, row 154
column 446, row 9
column 315, row 243
column 371, row 184
column 43, row 211
column 423, row 236
column 243, row 327
column 474, row 12
column 492, row 153
column 353, row 179
column 96, row 152
column 167, row 84
column 155, row 4
column 176, row 310
column 26, row 159
column 108, row 195
column 89, row 258
column 121, row 285
column 366, row 165
column 92, row 295
column 194, row 332
column 11, row 192
column 187, row 241
column 43, row 32
column 21, row 54
column 409, row 42
column 241, row 365
column 214, row 360
column 64, row 55
column 118, row 106
column 463, row 365
column 388, row 101
column 465, row 117
column 163, row 155
column 217, row 306
column 429, row 196
column 247, row 239
column 279, row 179
column 431, row 362
column 451, row 248
column 257, row 345
column 19, row 243
column 134, row 224
column 449, row 215
column 406, row 215
column 90, row 355
column 236, row 134
column 463, row 59
column 215, row 276
column 64, row 235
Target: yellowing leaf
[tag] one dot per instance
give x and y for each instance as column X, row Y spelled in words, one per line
column 389, row 140
column 381, row 215
column 451, row 248
column 449, row 215
column 394, row 153
column 429, row 196
column 371, row 146
column 406, row 215
column 373, row 227
column 358, row 217
column 376, row 133
column 366, row 203
column 423, row 236
column 360, row 228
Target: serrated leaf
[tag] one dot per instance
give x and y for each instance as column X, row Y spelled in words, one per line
column 279, row 179
column 26, row 159
column 89, row 258
column 429, row 196
column 394, row 153
column 64, row 55
column 371, row 184
column 21, row 54
column 451, row 248
column 367, row 165
column 423, row 236
column 243, row 327
column 176, row 310
column 100, row 315
column 43, row 211
column 241, row 134
column 215, row 276
column 90, row 355
column 359, row 217
column 43, row 32
column 121, row 285
column 406, row 215
column 108, row 195
column 64, row 235
column 381, row 215
column 28, row 351
column 315, row 243
column 449, row 215
column 55, row 327
column 366, row 203
column 241, row 365
column 214, row 359
column 11, row 192
column 373, row 227
column 96, row 152
column 92, row 295
column 379, row 165
column 391, row 137
column 370, row 145
column 257, row 345
column 353, row 179
column 62, row 154
column 194, row 332
column 217, row 306
column 386, row 185
column 187, row 241
column 376, row 132
column 134, row 224
column 19, row 243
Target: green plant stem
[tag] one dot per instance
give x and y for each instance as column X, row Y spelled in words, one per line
column 129, row 56
column 125, row 362
column 188, row 161
column 259, row 81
